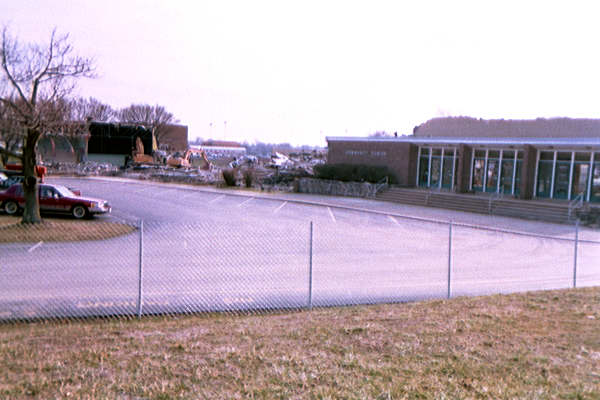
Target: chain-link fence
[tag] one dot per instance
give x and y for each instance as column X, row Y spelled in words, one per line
column 162, row 268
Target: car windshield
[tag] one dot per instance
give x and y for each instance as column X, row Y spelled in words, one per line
column 64, row 191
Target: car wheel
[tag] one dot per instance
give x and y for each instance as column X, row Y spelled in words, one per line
column 79, row 212
column 11, row 208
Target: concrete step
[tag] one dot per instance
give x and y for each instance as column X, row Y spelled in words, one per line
column 525, row 209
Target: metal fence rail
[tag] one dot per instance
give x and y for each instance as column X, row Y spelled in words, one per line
column 164, row 268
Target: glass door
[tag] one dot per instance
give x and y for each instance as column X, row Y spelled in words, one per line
column 545, row 168
column 492, row 171
column 561, row 175
column 478, row 170
column 448, row 169
column 595, row 192
column 424, row 167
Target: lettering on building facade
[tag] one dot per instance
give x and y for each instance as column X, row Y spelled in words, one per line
column 360, row 153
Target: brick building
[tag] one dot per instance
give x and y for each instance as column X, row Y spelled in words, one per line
column 543, row 158
column 174, row 138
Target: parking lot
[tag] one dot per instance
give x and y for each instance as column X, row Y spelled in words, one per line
column 207, row 249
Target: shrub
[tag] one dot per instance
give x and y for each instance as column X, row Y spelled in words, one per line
column 248, row 178
column 354, row 173
column 229, row 177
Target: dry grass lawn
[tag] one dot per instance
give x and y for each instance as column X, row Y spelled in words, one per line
column 59, row 230
column 539, row 345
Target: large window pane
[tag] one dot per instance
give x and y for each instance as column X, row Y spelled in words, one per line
column 595, row 195
column 435, row 171
column 561, row 180
column 492, row 175
column 544, row 178
column 447, row 171
column 580, row 179
column 478, row 172
column 507, row 176
column 423, row 171
column 518, row 178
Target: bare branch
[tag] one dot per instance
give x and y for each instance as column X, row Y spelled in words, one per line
column 6, row 62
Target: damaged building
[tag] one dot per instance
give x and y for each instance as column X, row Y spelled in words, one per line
column 114, row 143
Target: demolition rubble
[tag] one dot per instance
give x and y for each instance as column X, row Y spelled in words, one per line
column 276, row 173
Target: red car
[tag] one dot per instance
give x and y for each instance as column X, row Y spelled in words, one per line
column 53, row 199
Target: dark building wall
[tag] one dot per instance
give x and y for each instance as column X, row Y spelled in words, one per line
column 107, row 138
column 413, row 160
column 465, row 154
column 528, row 173
column 399, row 157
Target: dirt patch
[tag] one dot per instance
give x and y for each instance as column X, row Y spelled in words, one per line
column 56, row 230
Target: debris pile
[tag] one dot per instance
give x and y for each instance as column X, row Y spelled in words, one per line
column 86, row 168
column 166, row 174
column 277, row 172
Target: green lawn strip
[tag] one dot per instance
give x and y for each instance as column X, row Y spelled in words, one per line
column 527, row 346
column 57, row 230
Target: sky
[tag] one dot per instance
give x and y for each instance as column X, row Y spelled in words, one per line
column 298, row 71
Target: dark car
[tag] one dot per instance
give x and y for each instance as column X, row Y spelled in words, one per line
column 53, row 199
column 7, row 180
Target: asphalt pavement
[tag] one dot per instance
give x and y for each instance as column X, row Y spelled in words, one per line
column 208, row 249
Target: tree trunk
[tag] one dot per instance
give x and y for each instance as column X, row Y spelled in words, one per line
column 31, row 213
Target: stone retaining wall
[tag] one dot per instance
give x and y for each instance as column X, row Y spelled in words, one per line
column 335, row 188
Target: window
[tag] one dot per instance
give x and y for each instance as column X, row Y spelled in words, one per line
column 545, row 168
column 581, row 172
column 595, row 189
column 562, row 172
column 437, row 167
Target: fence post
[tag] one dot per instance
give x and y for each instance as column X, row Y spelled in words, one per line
column 140, row 270
column 575, row 253
column 449, row 256
column 310, row 267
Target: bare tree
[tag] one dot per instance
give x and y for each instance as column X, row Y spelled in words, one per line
column 154, row 117
column 35, row 82
column 381, row 134
column 10, row 132
column 80, row 112
column 90, row 109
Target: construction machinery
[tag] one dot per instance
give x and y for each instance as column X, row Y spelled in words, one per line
column 138, row 156
column 191, row 158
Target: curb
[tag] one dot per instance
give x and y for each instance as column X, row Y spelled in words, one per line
column 336, row 206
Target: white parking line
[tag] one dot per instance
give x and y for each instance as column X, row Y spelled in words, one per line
column 35, row 247
column 394, row 220
column 331, row 214
column 216, row 198
column 244, row 202
column 280, row 207
column 189, row 194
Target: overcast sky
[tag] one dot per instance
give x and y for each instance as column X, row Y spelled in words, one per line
column 297, row 71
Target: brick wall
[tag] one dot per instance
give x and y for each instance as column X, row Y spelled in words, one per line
column 399, row 157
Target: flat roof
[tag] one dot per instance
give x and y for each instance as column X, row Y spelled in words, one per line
column 562, row 142
column 218, row 148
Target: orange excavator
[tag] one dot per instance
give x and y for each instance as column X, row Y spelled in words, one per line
column 191, row 158
column 138, row 155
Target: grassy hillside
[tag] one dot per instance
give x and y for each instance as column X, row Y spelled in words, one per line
column 536, row 345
